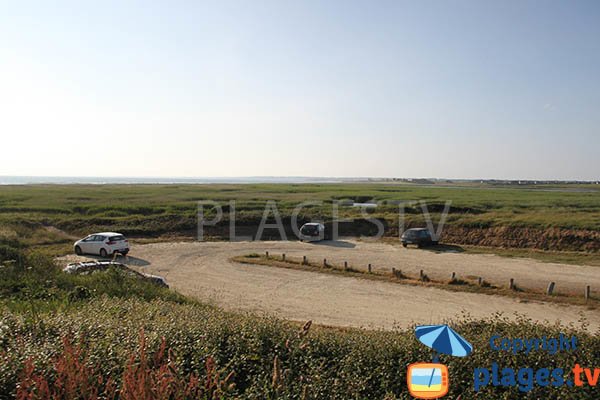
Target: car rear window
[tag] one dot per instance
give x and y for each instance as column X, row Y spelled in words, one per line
column 309, row 230
column 117, row 238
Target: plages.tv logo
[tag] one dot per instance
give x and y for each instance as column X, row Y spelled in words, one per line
column 430, row 380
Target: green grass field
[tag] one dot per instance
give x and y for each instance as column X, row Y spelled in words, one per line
column 567, row 215
column 85, row 330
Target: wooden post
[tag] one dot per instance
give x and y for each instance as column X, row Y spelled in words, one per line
column 511, row 284
column 421, row 274
column 394, row 272
column 304, row 261
column 369, row 268
column 550, row 289
column 283, row 257
column 324, row 262
column 480, row 281
column 267, row 254
column 453, row 276
column 345, row 265
column 588, row 289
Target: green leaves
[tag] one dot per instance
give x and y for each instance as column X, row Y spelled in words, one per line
column 321, row 362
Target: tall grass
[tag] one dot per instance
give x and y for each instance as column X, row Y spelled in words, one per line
column 54, row 343
column 151, row 210
column 31, row 281
column 145, row 376
column 269, row 358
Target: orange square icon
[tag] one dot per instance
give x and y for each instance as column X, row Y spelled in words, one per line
column 427, row 380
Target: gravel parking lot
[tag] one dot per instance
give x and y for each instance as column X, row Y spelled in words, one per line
column 204, row 270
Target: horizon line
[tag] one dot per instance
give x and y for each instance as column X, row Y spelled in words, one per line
column 294, row 177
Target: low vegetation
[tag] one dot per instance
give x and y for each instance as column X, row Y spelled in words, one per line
column 457, row 284
column 258, row 357
column 548, row 217
column 110, row 335
column 34, row 283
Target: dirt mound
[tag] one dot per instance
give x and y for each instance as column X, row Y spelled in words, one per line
column 560, row 239
column 522, row 237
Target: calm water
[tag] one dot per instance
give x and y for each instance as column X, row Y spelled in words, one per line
column 25, row 180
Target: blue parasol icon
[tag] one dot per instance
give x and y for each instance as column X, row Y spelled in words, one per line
column 443, row 339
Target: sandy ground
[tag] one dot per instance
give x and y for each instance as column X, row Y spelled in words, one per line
column 204, row 270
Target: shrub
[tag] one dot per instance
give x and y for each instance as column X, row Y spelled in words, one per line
column 271, row 358
column 146, row 376
column 38, row 278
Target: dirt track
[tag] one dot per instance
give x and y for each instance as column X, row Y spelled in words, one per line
column 204, row 270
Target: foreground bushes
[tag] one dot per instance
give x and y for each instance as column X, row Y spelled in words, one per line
column 145, row 377
column 35, row 282
column 260, row 357
column 64, row 336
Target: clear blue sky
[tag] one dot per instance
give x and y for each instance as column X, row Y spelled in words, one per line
column 457, row 89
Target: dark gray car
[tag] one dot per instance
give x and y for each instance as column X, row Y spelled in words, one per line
column 419, row 236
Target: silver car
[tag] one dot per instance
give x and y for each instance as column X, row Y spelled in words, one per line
column 312, row 232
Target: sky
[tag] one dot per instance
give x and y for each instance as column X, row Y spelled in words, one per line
column 446, row 89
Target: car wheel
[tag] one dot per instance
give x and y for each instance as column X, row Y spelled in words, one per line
column 404, row 244
column 78, row 250
column 103, row 253
column 419, row 245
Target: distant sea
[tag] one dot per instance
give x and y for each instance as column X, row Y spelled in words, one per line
column 28, row 180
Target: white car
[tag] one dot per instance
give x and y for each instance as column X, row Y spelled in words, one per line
column 312, row 232
column 103, row 244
